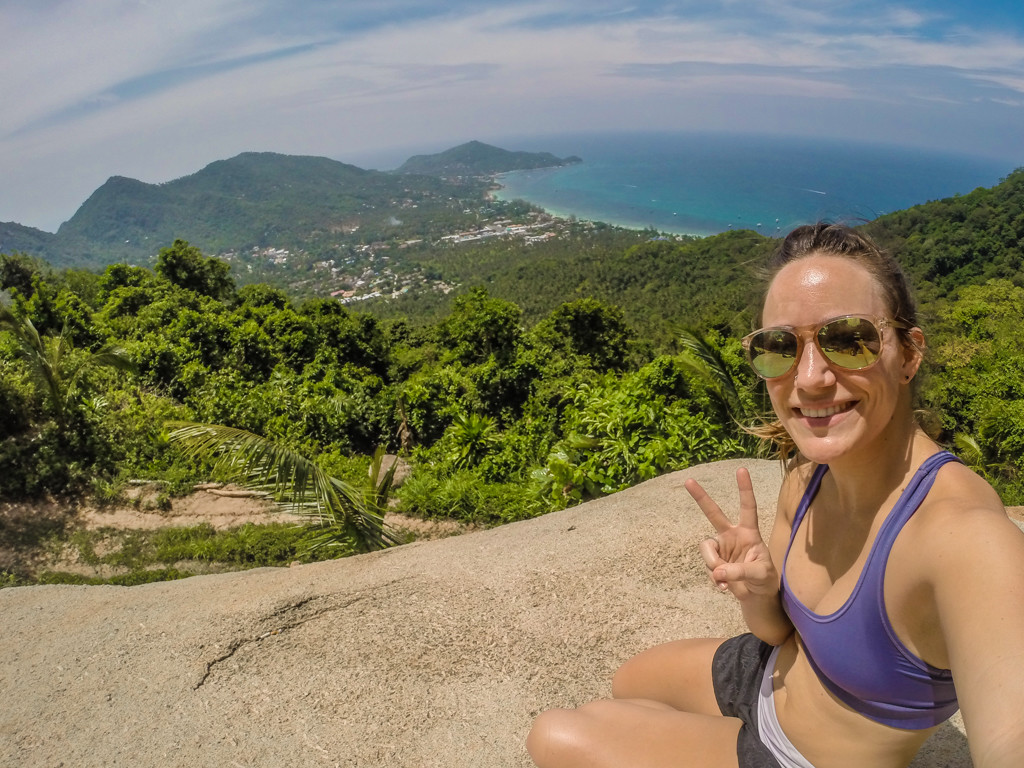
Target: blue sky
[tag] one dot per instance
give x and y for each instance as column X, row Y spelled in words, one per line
column 156, row 89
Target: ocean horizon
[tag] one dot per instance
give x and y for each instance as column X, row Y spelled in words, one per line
column 704, row 184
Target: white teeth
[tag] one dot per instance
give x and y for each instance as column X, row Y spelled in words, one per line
column 816, row 413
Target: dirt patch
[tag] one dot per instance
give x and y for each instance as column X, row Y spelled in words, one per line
column 222, row 507
column 421, row 529
column 228, row 506
column 34, row 537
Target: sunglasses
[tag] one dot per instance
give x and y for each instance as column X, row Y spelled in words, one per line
column 851, row 342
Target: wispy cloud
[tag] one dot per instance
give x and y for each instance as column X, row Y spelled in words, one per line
column 154, row 88
column 156, row 49
column 152, row 85
column 1010, row 81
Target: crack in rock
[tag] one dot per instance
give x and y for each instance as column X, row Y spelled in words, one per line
column 274, row 620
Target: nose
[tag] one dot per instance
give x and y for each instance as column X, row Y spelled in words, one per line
column 812, row 368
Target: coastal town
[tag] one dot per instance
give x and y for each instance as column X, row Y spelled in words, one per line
column 384, row 283
column 381, row 269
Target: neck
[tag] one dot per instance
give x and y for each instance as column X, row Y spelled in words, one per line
column 865, row 479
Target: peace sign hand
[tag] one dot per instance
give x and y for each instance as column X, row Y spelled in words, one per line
column 738, row 557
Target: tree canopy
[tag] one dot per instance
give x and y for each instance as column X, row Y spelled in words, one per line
column 556, row 373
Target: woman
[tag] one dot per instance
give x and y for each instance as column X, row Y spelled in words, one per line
column 890, row 592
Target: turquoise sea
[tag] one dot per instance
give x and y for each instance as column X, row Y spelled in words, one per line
column 704, row 184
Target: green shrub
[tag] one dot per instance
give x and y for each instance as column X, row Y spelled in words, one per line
column 620, row 432
column 249, row 545
column 126, row 580
column 464, row 495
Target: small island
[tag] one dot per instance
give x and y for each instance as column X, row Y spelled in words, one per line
column 475, row 158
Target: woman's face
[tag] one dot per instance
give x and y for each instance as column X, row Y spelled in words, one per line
column 830, row 411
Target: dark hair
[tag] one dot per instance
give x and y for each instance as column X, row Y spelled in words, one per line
column 825, row 239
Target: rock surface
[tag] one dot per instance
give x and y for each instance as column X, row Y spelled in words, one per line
column 437, row 653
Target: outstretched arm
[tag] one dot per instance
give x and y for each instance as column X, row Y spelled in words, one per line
column 979, row 592
column 739, row 560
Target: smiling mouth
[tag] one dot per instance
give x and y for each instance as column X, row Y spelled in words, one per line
column 823, row 413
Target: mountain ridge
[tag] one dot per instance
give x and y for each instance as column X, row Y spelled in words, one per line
column 262, row 199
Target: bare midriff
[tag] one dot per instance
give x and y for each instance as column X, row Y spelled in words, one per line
column 827, row 732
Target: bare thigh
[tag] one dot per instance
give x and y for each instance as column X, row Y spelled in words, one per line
column 639, row 734
column 677, row 674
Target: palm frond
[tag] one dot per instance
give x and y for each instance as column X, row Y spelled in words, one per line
column 294, row 481
column 705, row 363
column 970, row 450
column 381, row 485
column 22, row 328
column 113, row 356
column 51, row 360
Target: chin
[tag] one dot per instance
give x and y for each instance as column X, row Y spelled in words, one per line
column 823, row 449
column 821, row 455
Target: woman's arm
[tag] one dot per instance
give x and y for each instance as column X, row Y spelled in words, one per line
column 977, row 567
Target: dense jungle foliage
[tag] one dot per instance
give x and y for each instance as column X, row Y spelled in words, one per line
column 626, row 364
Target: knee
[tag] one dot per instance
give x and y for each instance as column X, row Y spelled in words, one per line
column 547, row 734
column 544, row 734
column 563, row 737
column 628, row 682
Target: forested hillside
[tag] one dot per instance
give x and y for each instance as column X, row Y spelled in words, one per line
column 16, row 238
column 314, row 207
column 560, row 371
column 252, row 201
column 710, row 282
column 660, row 285
column 961, row 240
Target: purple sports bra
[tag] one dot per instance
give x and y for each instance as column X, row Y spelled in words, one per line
column 855, row 651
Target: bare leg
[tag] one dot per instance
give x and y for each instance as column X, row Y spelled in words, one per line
column 664, row 715
column 677, row 674
column 638, row 734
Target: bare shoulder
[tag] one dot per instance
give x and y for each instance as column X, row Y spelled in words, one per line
column 959, row 495
column 963, row 518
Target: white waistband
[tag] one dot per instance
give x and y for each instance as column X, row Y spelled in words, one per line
column 778, row 744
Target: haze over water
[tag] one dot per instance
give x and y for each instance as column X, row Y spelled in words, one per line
column 706, row 184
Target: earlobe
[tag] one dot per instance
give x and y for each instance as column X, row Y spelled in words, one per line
column 913, row 353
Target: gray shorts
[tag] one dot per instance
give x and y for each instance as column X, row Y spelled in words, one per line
column 736, row 672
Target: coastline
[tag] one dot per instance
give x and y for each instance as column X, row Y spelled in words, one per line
column 496, row 192
column 701, row 185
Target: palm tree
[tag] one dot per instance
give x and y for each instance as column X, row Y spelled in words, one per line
column 705, row 363
column 349, row 517
column 53, row 362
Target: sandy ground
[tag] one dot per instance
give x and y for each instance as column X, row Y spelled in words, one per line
column 437, row 653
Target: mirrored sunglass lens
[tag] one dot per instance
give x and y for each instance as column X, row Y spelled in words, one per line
column 851, row 342
column 772, row 353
